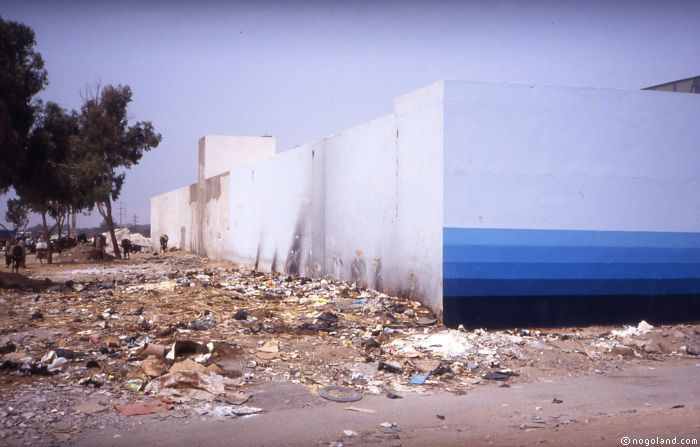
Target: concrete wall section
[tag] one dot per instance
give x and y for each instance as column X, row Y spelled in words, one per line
column 172, row 213
column 215, row 222
column 537, row 157
column 271, row 211
column 222, row 153
column 419, row 208
column 360, row 205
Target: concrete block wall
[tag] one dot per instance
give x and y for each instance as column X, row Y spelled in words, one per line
column 173, row 213
column 196, row 218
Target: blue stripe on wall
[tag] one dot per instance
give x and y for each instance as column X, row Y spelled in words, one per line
column 568, row 287
column 577, row 270
column 501, row 262
column 564, row 238
column 529, row 253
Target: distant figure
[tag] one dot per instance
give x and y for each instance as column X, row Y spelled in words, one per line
column 126, row 246
column 100, row 246
column 18, row 255
column 164, row 243
column 42, row 250
column 8, row 252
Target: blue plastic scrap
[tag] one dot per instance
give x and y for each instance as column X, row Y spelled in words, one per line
column 419, row 379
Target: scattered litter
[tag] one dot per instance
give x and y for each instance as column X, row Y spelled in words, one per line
column 234, row 410
column 361, row 410
column 134, row 385
column 391, row 394
column 339, row 394
column 419, row 379
column 159, row 405
column 642, row 328
column 90, row 408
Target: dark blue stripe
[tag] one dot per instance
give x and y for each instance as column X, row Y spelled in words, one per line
column 574, row 287
column 568, row 238
column 539, row 270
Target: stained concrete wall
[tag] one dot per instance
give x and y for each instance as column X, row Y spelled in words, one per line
column 173, row 213
column 215, row 218
column 419, row 117
column 374, row 204
column 196, row 218
column 270, row 212
column 360, row 204
column 363, row 205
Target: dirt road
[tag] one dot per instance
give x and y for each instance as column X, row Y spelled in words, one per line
column 598, row 410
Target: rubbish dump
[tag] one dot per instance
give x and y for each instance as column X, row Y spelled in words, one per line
column 178, row 334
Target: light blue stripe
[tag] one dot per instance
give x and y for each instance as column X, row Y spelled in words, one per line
column 522, row 253
column 509, row 270
column 568, row 238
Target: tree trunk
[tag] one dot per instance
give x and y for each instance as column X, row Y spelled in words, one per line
column 105, row 210
column 47, row 239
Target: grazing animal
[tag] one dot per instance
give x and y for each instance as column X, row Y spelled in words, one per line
column 126, row 246
column 164, row 242
column 17, row 257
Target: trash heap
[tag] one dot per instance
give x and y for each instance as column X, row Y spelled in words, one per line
column 181, row 333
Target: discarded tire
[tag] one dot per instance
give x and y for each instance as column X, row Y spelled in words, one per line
column 339, row 394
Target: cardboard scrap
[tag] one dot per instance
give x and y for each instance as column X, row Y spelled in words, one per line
column 90, row 407
column 160, row 405
column 362, row 410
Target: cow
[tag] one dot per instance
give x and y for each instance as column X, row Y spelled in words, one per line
column 164, row 243
column 18, row 254
column 126, row 246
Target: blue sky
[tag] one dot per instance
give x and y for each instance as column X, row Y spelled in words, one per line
column 301, row 70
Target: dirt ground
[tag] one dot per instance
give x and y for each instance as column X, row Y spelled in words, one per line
column 213, row 353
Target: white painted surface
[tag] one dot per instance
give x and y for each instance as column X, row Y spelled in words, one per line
column 369, row 204
column 360, row 204
column 172, row 213
column 420, row 194
column 541, row 157
column 222, row 153
column 215, row 220
column 270, row 212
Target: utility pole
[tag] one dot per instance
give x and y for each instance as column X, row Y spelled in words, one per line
column 122, row 213
column 136, row 220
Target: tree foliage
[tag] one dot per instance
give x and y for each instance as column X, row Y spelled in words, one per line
column 17, row 214
column 22, row 76
column 51, row 181
column 108, row 144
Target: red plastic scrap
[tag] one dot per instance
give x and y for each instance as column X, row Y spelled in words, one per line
column 160, row 405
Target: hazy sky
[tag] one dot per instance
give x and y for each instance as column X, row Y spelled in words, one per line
column 301, row 70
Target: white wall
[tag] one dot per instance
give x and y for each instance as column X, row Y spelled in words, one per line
column 542, row 157
column 222, row 153
column 215, row 218
column 270, row 212
column 363, row 205
column 172, row 213
column 360, row 204
column 419, row 117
